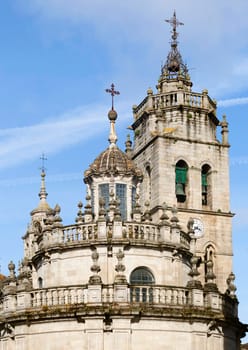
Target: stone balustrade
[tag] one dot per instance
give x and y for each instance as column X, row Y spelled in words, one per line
column 171, row 99
column 75, row 233
column 133, row 231
column 137, row 231
column 154, row 295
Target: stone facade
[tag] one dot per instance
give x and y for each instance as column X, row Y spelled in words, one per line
column 148, row 261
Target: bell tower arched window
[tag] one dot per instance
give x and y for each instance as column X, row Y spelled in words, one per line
column 181, row 181
column 206, row 184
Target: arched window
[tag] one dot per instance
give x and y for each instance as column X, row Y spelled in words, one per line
column 205, row 183
column 148, row 182
column 142, row 279
column 181, row 181
column 40, row 283
column 120, row 193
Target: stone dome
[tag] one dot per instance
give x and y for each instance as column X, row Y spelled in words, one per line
column 112, row 161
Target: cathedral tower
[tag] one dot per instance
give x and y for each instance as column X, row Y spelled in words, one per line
column 183, row 162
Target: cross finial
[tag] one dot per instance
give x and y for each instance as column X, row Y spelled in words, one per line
column 113, row 92
column 43, row 159
column 174, row 23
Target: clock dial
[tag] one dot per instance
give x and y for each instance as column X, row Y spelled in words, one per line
column 198, row 227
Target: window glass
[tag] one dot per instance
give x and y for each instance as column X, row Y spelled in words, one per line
column 133, row 197
column 141, row 276
column 104, row 193
column 121, row 194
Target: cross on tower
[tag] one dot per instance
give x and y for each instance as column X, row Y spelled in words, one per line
column 174, row 23
column 43, row 159
column 113, row 92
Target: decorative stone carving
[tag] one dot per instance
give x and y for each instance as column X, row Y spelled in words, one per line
column 120, row 268
column 95, row 268
column 231, row 286
column 80, row 216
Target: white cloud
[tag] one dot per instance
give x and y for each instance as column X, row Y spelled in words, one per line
column 239, row 161
column 212, row 41
column 24, row 143
column 36, row 179
column 233, row 102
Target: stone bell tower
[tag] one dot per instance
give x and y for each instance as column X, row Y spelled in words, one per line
column 183, row 162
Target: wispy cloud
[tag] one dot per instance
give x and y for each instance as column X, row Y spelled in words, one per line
column 18, row 145
column 233, row 102
column 239, row 161
column 23, row 143
column 203, row 41
column 36, row 179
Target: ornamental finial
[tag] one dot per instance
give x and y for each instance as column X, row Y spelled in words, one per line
column 174, row 23
column 43, row 193
column 174, row 66
column 112, row 115
column 113, row 92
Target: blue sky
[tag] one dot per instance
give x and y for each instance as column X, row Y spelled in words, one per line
column 56, row 59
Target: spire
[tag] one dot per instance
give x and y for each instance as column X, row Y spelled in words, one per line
column 174, row 65
column 112, row 115
column 43, row 192
column 43, row 205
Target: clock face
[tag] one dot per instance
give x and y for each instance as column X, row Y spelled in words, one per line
column 198, row 227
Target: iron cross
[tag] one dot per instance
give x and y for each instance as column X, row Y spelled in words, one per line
column 174, row 22
column 113, row 92
column 43, row 159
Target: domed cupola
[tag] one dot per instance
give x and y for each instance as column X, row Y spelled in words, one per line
column 113, row 174
column 112, row 161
